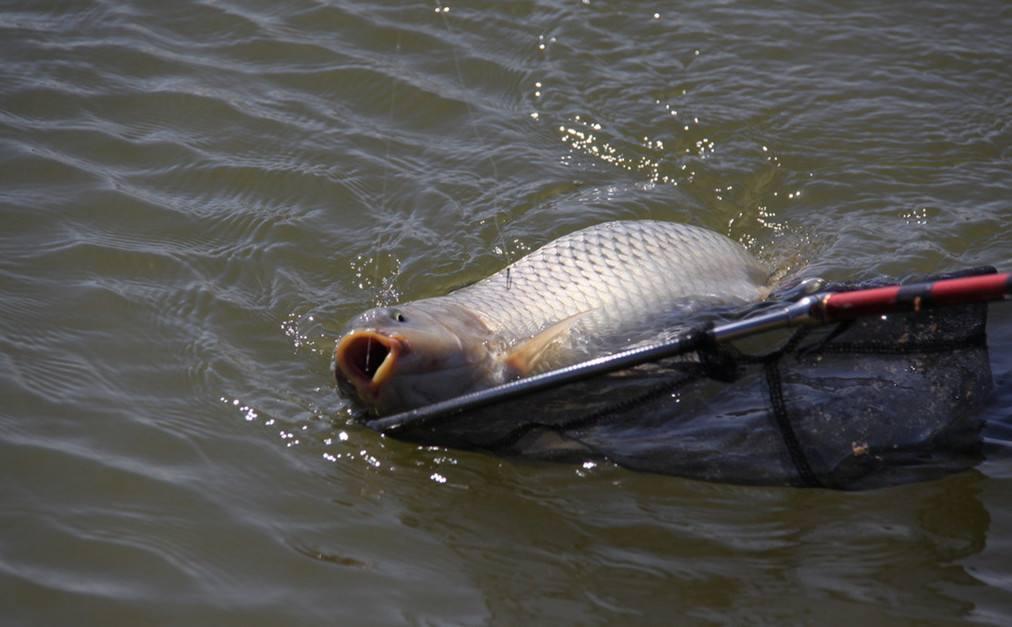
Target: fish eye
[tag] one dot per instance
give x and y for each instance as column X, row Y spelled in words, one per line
column 398, row 316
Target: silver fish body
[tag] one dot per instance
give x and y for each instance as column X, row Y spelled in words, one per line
column 593, row 291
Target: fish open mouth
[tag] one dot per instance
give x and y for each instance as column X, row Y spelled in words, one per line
column 367, row 358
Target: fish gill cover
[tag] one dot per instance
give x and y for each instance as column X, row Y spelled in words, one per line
column 862, row 404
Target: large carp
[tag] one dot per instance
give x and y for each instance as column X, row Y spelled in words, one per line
column 590, row 292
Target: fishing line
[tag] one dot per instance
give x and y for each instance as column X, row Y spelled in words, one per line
column 442, row 11
column 390, row 116
column 382, row 290
column 368, row 353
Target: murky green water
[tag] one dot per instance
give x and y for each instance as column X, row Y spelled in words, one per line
column 195, row 195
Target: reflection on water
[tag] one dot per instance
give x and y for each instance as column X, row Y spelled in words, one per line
column 195, row 196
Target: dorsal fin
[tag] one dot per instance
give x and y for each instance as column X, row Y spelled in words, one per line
column 523, row 358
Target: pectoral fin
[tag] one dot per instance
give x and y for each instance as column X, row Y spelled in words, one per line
column 525, row 356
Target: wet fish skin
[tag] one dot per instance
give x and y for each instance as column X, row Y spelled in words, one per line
column 395, row 358
column 591, row 291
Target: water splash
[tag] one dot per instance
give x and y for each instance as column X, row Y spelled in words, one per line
column 378, row 276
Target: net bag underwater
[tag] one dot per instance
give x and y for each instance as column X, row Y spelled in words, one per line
column 858, row 404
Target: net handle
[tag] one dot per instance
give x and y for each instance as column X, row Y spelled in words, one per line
column 914, row 297
column 823, row 308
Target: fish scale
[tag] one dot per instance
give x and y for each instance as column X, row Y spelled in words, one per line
column 619, row 274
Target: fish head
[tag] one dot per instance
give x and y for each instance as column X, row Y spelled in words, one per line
column 393, row 359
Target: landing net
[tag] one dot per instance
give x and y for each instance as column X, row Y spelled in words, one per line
column 864, row 403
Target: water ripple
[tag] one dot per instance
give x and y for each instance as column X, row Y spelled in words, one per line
column 196, row 195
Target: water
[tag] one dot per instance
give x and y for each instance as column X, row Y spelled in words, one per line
column 196, row 195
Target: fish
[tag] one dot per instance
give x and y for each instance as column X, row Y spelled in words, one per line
column 590, row 292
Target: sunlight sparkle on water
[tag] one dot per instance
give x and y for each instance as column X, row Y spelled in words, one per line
column 248, row 413
column 587, row 143
column 917, row 216
column 377, row 275
column 291, row 328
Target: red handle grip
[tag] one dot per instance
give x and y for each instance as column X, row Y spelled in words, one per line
column 914, row 297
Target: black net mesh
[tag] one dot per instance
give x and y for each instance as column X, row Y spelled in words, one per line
column 874, row 402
